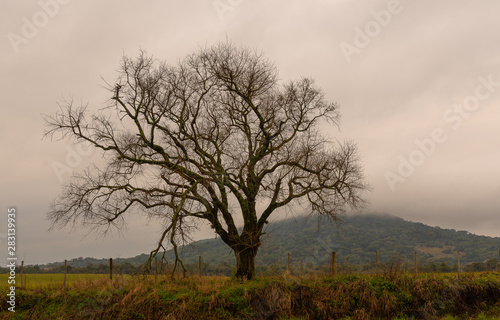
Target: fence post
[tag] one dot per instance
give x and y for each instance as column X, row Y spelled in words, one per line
column 111, row 269
column 65, row 271
column 21, row 273
column 416, row 265
column 458, row 256
column 288, row 265
column 333, row 263
column 376, row 262
column 199, row 265
column 156, row 269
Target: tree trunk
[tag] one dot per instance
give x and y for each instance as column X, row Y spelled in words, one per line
column 245, row 262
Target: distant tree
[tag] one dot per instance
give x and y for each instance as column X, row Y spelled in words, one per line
column 444, row 267
column 491, row 264
column 475, row 267
column 210, row 139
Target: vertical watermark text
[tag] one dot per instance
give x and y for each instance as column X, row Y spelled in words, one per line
column 11, row 257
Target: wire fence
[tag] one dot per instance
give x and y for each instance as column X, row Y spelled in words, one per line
column 64, row 273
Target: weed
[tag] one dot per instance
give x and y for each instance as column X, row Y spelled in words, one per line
column 391, row 295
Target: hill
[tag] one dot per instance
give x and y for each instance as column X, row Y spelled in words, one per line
column 356, row 239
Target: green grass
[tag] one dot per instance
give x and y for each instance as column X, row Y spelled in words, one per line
column 44, row 280
column 387, row 296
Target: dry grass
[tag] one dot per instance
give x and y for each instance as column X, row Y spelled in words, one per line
column 388, row 296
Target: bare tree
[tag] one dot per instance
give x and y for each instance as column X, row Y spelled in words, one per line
column 212, row 138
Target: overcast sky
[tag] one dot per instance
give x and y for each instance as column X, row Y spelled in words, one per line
column 418, row 83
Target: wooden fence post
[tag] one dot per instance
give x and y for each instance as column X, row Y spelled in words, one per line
column 416, row 264
column 65, row 271
column 333, row 263
column 458, row 256
column 288, row 265
column 199, row 266
column 156, row 269
column 21, row 273
column 376, row 262
column 111, row 269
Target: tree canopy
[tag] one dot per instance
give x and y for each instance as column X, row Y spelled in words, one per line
column 213, row 137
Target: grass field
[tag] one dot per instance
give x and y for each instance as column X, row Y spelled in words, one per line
column 41, row 280
column 387, row 296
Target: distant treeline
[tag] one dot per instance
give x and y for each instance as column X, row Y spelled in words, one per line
column 309, row 244
column 227, row 270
